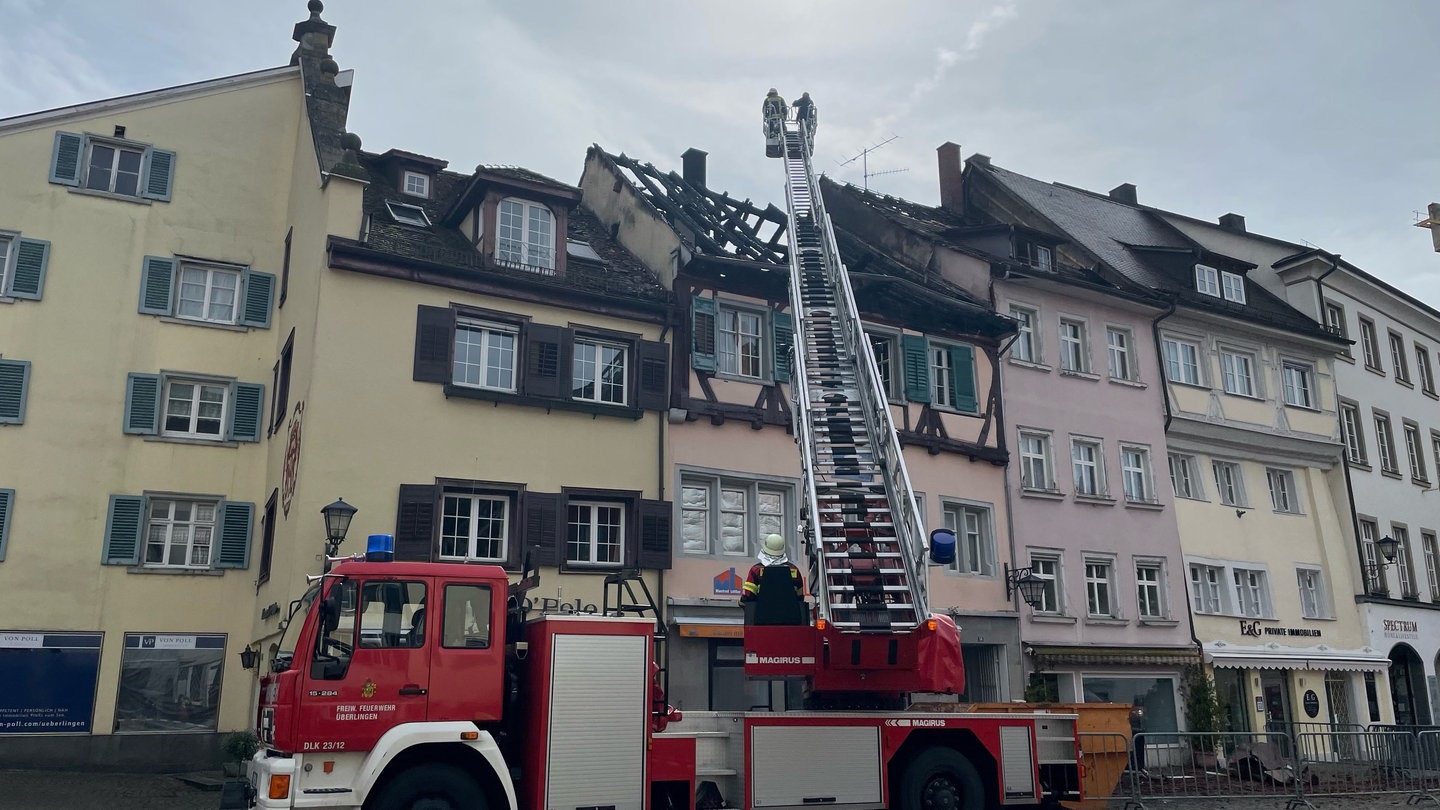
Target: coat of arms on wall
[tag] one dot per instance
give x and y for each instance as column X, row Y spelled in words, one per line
column 292, row 461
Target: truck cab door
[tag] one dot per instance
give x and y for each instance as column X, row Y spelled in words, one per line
column 467, row 664
column 370, row 668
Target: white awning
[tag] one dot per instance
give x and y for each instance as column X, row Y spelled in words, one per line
column 1337, row 660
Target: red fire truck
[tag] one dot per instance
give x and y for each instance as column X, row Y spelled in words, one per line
column 422, row 686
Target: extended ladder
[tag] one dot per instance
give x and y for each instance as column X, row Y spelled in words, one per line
column 864, row 534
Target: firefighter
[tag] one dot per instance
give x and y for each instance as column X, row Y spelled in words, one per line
column 805, row 111
column 772, row 552
column 773, row 109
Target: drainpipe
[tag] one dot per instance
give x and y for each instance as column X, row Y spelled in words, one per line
column 1160, row 356
column 1009, row 499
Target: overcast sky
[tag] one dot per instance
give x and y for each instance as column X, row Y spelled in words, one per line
column 1317, row 120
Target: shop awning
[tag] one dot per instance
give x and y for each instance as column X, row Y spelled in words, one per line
column 708, row 621
column 1337, row 660
column 1057, row 656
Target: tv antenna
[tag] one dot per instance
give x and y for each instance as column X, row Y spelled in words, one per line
column 864, row 158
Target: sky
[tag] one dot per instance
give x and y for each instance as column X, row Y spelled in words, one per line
column 1318, row 120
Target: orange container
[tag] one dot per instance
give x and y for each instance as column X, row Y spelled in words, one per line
column 1102, row 767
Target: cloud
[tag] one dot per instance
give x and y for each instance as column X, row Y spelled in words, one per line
column 45, row 64
column 982, row 28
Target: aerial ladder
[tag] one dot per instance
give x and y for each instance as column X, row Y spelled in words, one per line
column 863, row 531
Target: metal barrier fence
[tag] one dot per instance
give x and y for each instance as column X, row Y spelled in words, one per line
column 1335, row 760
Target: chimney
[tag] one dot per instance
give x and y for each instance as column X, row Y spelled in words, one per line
column 693, row 167
column 952, row 179
column 1125, row 193
column 1233, row 222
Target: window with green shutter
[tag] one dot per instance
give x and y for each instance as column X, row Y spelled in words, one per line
column 7, row 507
column 206, row 292
column 178, row 532
column 14, row 387
column 23, row 263
column 112, row 166
column 193, row 408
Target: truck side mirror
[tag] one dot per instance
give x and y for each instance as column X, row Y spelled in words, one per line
column 330, row 613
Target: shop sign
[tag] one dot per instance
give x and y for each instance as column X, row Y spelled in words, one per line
column 1312, row 703
column 729, row 583
column 1400, row 628
column 1254, row 629
column 47, row 682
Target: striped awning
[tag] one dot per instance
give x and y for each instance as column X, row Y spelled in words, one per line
column 1053, row 656
column 1339, row 660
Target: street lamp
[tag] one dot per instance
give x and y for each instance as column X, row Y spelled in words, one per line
column 337, row 524
column 1031, row 587
column 248, row 657
column 1389, row 549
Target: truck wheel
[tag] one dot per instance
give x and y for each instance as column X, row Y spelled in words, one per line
column 941, row 779
column 431, row 787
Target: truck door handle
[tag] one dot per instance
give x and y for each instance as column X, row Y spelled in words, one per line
column 411, row 689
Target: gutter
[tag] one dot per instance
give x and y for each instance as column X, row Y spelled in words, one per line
column 1165, row 388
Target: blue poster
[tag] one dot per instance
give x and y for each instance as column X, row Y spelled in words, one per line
column 47, row 681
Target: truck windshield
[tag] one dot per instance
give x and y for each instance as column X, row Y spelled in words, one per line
column 285, row 655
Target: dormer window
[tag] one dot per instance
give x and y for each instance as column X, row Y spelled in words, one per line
column 1037, row 256
column 1233, row 286
column 526, row 236
column 416, row 184
column 1207, row 280
column 408, row 214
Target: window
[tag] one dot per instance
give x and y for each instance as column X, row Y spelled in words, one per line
column 474, row 527
column 1228, row 483
column 1374, row 575
column 1182, row 361
column 267, row 542
column 595, row 533
column 1185, row 476
column 1424, row 370
column 1282, row 490
column 467, row 617
column 179, row 533
column 1312, row 593
column 1135, row 472
column 392, row 614
column 1097, row 589
column 725, row 516
column 1117, row 343
column 5, row 241
column 1251, row 595
column 1024, row 347
column 417, row 184
column 1397, row 358
column 1149, row 577
column 1404, row 562
column 942, row 376
column 526, row 236
column 1046, row 567
column 1207, row 280
column 1297, row 385
column 206, row 292
column 1435, row 448
column 1205, row 593
column 1036, row 464
column 407, row 214
column 1432, row 571
column 1037, row 256
column 280, row 407
column 600, row 372
column 883, row 347
column 1416, row 453
column 1335, row 319
column 1354, row 437
column 739, row 351
column 195, row 409
column 975, row 546
column 1237, row 372
column 1157, row 696
column 1368, row 344
column 1234, row 287
column 1088, row 463
column 170, row 682
column 1385, row 444
column 1074, row 355
column 113, row 168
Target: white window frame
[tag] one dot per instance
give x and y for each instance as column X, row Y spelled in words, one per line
column 209, row 290
column 415, row 184
column 1049, row 567
column 1397, row 356
column 1368, row 339
column 1353, row 434
column 942, row 376
column 1415, row 451
column 1237, row 373
column 488, row 334
column 1284, row 496
column 1431, row 550
column 1032, row 459
column 525, row 245
column 1370, row 557
column 1405, row 562
column 731, row 335
column 889, row 365
column 1423, row 369
column 471, row 537
column 1100, row 588
column 226, row 388
column 7, row 258
column 1252, row 592
column 1335, row 320
column 407, row 214
column 1074, row 348
column 1095, row 463
column 1026, row 347
column 755, row 521
column 974, row 528
column 1185, row 468
column 593, row 523
column 1229, row 487
column 1298, row 384
column 1233, row 286
column 1120, row 360
column 119, row 149
column 1137, row 473
column 193, row 527
column 1385, row 443
column 1207, row 280
column 1314, row 595
column 1207, row 589
column 1150, row 600
column 1183, row 361
column 606, row 392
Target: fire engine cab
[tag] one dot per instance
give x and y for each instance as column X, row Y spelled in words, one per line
column 427, row 686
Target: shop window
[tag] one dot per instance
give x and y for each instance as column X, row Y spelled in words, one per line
column 170, row 682
column 1155, row 695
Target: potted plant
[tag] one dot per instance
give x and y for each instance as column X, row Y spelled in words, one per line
column 1203, row 714
column 239, row 748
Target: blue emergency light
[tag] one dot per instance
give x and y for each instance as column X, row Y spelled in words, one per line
column 942, row 547
column 380, row 548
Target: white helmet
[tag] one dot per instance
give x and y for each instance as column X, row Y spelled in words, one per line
column 772, row 550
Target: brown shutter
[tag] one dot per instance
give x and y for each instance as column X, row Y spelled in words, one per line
column 415, row 523
column 655, row 541
column 654, row 376
column 545, row 371
column 542, row 527
column 434, row 338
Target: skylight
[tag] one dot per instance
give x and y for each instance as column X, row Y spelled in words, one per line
column 581, row 250
column 408, row 214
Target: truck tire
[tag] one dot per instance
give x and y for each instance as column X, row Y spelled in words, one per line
column 940, row 779
column 431, row 787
